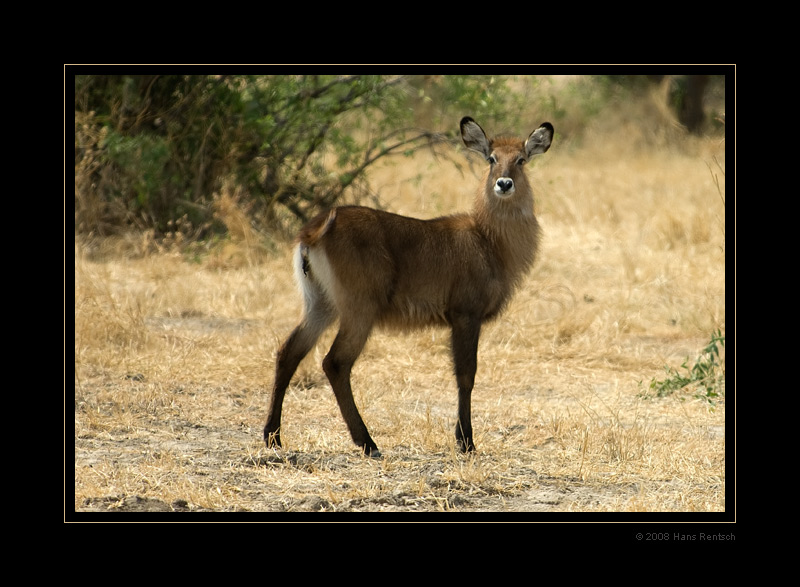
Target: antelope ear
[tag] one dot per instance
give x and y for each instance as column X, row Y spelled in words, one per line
column 540, row 140
column 474, row 137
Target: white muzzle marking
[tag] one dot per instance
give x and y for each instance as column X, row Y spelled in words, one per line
column 504, row 187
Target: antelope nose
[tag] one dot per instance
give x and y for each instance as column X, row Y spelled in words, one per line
column 504, row 185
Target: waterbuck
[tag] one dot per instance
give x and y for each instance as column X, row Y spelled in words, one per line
column 370, row 268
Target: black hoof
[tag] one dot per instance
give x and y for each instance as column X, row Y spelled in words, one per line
column 465, row 446
column 372, row 452
column 272, row 439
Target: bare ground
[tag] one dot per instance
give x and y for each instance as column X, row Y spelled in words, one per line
column 523, row 465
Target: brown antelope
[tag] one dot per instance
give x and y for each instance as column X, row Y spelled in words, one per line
column 367, row 267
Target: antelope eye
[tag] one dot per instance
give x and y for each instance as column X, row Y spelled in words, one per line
column 521, row 161
column 492, row 159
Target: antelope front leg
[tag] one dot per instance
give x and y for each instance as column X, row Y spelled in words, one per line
column 465, row 335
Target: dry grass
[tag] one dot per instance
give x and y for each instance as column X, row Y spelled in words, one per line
column 174, row 360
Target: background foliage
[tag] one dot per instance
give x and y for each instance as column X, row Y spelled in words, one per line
column 151, row 149
column 159, row 151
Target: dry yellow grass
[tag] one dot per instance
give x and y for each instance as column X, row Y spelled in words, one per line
column 174, row 361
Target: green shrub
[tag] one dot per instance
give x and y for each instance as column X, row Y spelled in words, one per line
column 705, row 379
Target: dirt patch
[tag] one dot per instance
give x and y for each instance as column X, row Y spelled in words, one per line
column 216, row 461
column 134, row 504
